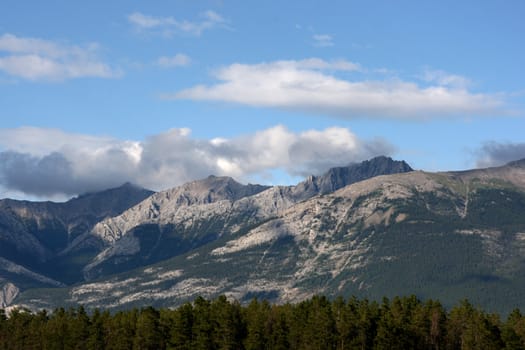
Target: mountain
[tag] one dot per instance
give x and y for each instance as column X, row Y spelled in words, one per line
column 33, row 235
column 178, row 220
column 372, row 229
column 340, row 177
column 95, row 235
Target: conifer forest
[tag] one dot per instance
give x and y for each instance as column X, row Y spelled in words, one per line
column 316, row 323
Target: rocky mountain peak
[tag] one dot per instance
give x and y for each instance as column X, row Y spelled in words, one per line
column 340, row 177
column 332, row 234
column 105, row 203
column 211, row 189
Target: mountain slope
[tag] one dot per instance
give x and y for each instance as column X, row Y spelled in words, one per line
column 437, row 235
column 175, row 221
column 96, row 235
column 34, row 234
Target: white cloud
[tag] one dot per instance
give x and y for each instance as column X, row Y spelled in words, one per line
column 443, row 78
column 318, row 64
column 179, row 60
column 145, row 21
column 37, row 59
column 323, row 40
column 306, row 86
column 169, row 25
column 13, row 44
column 42, row 141
column 49, row 162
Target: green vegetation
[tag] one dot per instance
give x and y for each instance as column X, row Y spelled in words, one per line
column 316, row 323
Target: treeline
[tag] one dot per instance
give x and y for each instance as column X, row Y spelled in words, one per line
column 317, row 323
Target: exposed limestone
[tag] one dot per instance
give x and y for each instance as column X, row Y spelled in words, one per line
column 8, row 293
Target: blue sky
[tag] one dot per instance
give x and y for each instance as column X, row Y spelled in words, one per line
column 97, row 93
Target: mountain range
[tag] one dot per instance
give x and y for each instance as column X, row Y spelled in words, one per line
column 372, row 229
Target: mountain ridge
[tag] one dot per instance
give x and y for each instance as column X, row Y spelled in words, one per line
column 247, row 203
column 406, row 232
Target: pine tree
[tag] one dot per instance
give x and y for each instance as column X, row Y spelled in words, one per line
column 78, row 329
column 148, row 335
column 36, row 330
column 120, row 329
column 227, row 324
column 3, row 329
column 181, row 332
column 278, row 327
column 56, row 330
column 17, row 329
column 257, row 316
column 320, row 327
column 202, row 327
column 96, row 335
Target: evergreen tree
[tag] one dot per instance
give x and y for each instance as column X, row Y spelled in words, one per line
column 56, row 330
column 202, row 327
column 278, row 330
column 316, row 323
column 470, row 329
column 181, row 331
column 257, row 318
column 78, row 324
column 429, row 322
column 17, row 329
column 227, row 324
column 345, row 321
column 3, row 329
column 320, row 327
column 96, row 334
column 148, row 335
column 120, row 329
column 35, row 332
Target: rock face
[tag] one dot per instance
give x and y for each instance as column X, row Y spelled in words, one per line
column 340, row 177
column 127, row 227
column 8, row 293
column 353, row 231
column 34, row 235
column 199, row 212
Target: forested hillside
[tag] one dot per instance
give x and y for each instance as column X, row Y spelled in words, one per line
column 316, row 323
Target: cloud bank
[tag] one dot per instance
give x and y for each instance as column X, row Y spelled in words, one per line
column 49, row 162
column 168, row 26
column 497, row 153
column 312, row 86
column 38, row 59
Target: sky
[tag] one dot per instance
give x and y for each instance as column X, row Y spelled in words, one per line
column 158, row 93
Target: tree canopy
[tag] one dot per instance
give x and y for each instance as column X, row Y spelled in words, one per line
column 314, row 324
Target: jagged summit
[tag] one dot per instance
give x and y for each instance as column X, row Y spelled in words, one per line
column 364, row 229
column 209, row 190
column 339, row 177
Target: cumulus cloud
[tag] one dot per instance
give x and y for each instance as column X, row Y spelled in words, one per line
column 38, row 59
column 54, row 162
column 169, row 25
column 496, row 153
column 179, row 60
column 309, row 86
